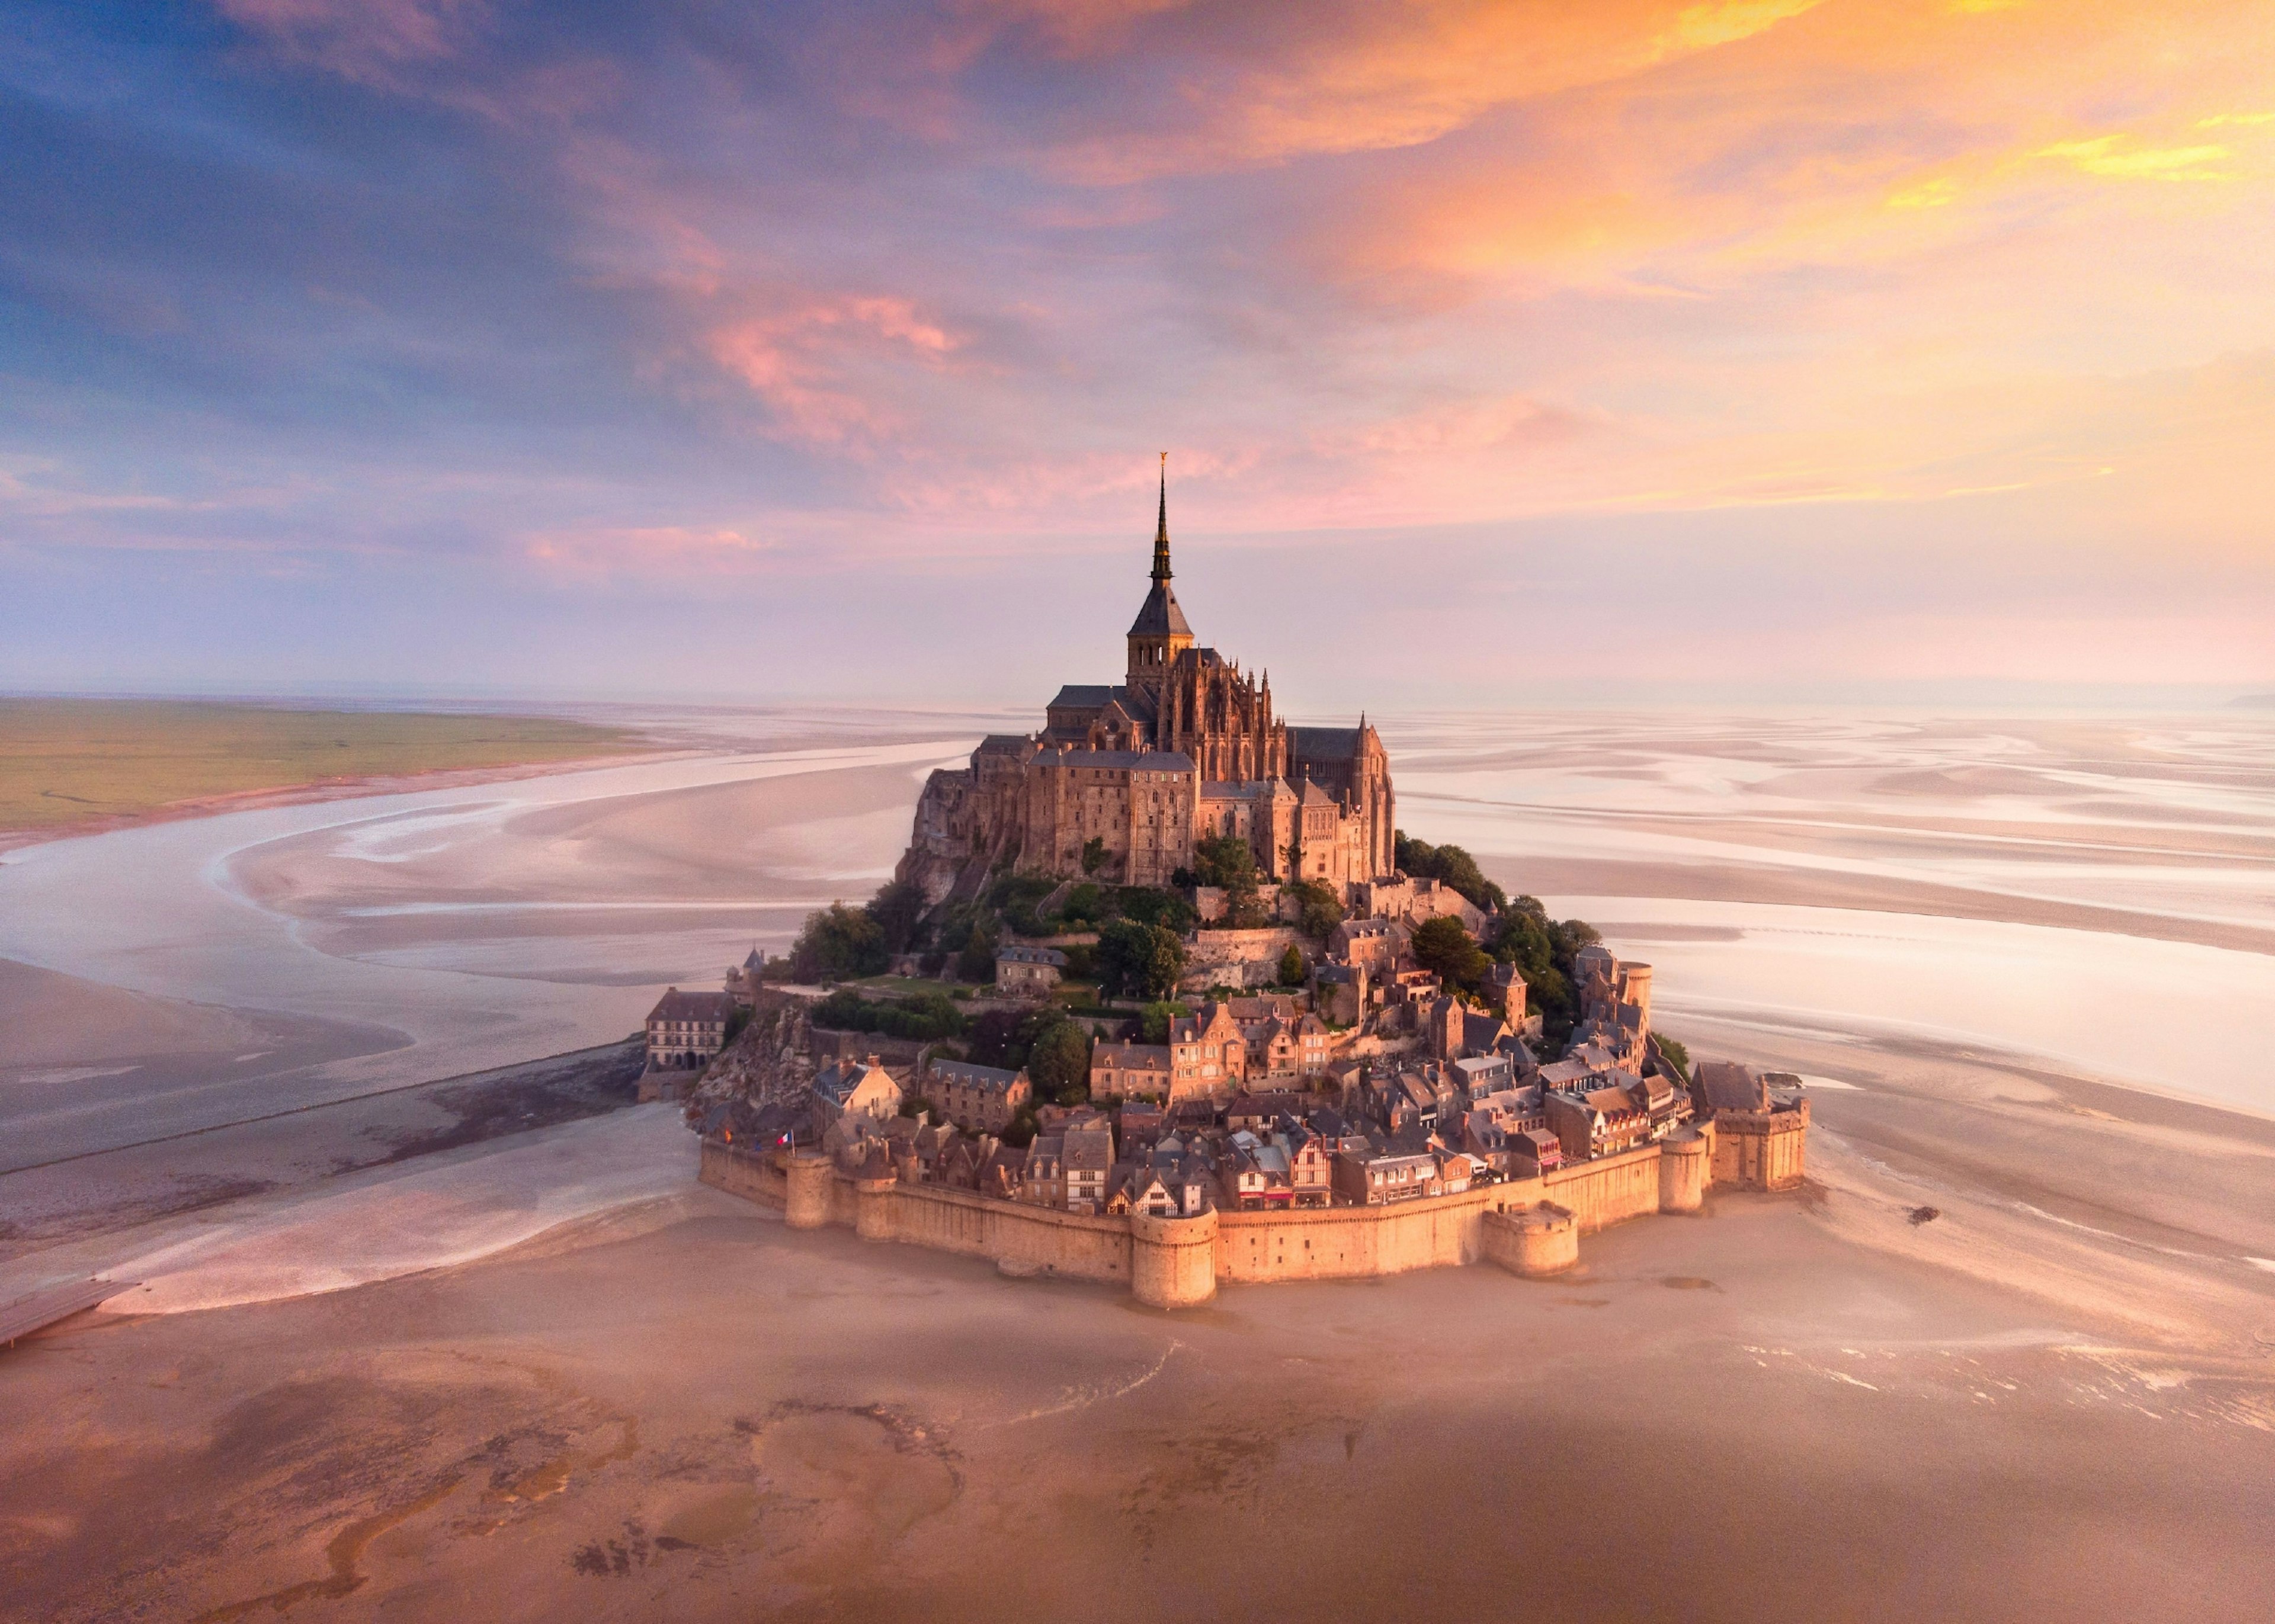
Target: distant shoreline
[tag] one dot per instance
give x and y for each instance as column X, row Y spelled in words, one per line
column 328, row 790
column 137, row 762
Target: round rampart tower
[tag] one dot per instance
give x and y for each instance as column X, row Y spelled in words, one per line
column 1534, row 1241
column 1686, row 1166
column 808, row 1204
column 1173, row 1260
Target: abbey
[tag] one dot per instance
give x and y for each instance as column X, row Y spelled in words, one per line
column 1124, row 778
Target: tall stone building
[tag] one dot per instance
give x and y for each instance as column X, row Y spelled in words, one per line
column 1124, row 778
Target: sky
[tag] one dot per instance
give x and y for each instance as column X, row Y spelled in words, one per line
column 1542, row 351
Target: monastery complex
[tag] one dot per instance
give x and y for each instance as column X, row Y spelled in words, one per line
column 1124, row 778
column 1340, row 1082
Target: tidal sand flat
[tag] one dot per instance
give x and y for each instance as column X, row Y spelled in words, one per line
column 412, row 936
column 683, row 1408
column 2022, row 960
column 72, row 764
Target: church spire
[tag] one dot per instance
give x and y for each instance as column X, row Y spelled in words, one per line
column 1162, row 534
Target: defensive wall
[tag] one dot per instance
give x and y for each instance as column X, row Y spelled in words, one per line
column 1529, row 1226
column 1761, row 1150
column 1236, row 958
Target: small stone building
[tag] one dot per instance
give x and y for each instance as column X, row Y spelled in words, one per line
column 854, row 1088
column 1029, row 969
column 1129, row 1071
column 1761, row 1135
column 978, row 1099
column 685, row 1030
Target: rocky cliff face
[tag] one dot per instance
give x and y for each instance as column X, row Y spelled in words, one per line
column 771, row 1060
column 940, row 844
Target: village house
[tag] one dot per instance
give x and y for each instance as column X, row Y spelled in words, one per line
column 854, row 1088
column 1208, row 1056
column 1372, row 1177
column 1129, row 1071
column 1254, row 1174
column 1310, row 1167
column 1599, row 1122
column 1505, row 994
column 1044, row 1182
column 685, row 1030
column 1339, row 992
column 1031, row 971
column 1257, row 1112
column 1482, row 1074
column 1003, row 1172
column 1533, row 1152
column 978, row 1098
column 1086, row 1157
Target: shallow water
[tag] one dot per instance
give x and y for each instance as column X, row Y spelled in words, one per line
column 1792, row 869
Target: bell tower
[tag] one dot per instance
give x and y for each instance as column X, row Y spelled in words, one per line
column 1160, row 633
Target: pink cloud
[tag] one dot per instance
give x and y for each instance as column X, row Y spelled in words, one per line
column 670, row 549
column 831, row 369
column 367, row 41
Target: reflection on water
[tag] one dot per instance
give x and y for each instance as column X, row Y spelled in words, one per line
column 2098, row 888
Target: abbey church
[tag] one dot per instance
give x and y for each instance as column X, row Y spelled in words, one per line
column 1124, row 777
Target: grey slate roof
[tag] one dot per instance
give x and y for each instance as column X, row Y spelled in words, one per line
column 1159, row 616
column 994, row 1077
column 678, row 1005
column 1323, row 744
column 1084, row 697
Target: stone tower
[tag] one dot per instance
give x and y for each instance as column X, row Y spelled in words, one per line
column 1160, row 633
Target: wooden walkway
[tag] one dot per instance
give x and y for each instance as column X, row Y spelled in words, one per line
column 42, row 1309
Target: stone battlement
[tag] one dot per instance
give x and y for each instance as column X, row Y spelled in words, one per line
column 1529, row 1226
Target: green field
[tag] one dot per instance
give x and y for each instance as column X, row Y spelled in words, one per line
column 67, row 761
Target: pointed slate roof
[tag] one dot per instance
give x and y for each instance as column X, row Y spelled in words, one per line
column 1160, row 617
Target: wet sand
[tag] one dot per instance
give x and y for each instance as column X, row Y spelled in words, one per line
column 685, row 1409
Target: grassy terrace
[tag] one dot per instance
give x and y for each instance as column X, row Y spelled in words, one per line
column 71, row 761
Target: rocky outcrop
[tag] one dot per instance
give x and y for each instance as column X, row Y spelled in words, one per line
column 940, row 845
column 771, row 1060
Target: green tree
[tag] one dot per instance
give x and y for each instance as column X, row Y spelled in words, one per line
column 1153, row 1020
column 898, row 908
column 1450, row 864
column 925, row 1015
column 1226, row 862
column 977, row 962
column 999, row 1038
column 1085, row 904
column 1149, row 906
column 1320, row 908
column 1137, row 960
column 1542, row 949
column 838, row 943
column 1443, row 946
column 1677, row 1055
column 1291, row 966
column 1094, row 854
column 1058, row 1062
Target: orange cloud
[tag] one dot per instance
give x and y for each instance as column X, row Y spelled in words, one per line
column 1368, row 79
column 2116, row 156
